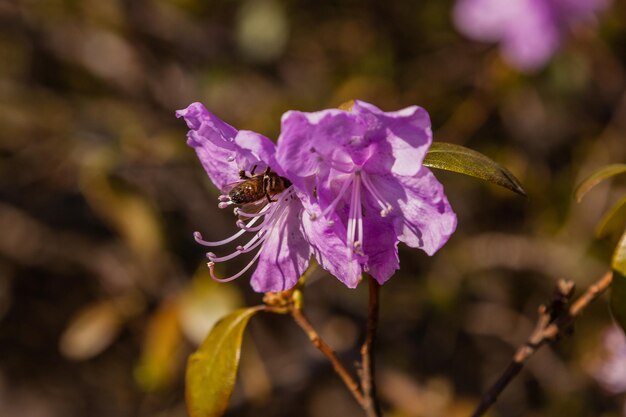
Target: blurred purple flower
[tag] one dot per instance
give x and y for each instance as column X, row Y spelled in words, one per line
column 361, row 180
column 611, row 371
column 282, row 252
column 529, row 31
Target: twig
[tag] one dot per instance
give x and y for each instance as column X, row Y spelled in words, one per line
column 553, row 321
column 327, row 351
column 368, row 384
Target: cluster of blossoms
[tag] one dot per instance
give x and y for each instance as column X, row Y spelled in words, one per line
column 529, row 31
column 353, row 187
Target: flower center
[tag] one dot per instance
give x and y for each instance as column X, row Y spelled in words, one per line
column 356, row 182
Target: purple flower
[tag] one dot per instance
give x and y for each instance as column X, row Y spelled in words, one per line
column 611, row 370
column 281, row 250
column 529, row 31
column 360, row 176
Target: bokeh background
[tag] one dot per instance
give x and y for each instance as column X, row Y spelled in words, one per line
column 103, row 292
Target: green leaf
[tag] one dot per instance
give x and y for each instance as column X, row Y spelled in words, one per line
column 212, row 369
column 596, row 178
column 618, row 263
column 612, row 219
column 462, row 160
column 618, row 299
column 618, row 286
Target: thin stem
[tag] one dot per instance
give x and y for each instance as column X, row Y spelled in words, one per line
column 553, row 321
column 327, row 351
column 368, row 383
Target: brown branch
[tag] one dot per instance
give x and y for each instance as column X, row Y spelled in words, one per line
column 553, row 320
column 327, row 351
column 368, row 384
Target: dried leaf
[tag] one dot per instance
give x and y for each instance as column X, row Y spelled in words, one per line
column 160, row 357
column 91, row 330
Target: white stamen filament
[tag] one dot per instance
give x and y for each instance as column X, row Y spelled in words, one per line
column 334, row 203
column 198, row 237
column 272, row 215
column 239, row 212
column 240, row 224
column 355, row 231
column 248, row 247
column 211, row 266
column 354, row 235
column 347, row 167
column 385, row 207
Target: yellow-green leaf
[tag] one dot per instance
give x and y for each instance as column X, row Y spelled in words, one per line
column 462, row 160
column 618, row 263
column 612, row 219
column 618, row 286
column 212, row 369
column 618, row 299
column 160, row 356
column 596, row 178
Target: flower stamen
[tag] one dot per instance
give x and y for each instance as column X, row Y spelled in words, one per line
column 272, row 213
column 334, row 203
column 248, row 247
column 354, row 235
column 386, row 208
column 211, row 266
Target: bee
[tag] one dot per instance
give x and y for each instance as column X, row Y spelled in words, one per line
column 255, row 187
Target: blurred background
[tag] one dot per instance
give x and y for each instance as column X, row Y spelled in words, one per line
column 104, row 293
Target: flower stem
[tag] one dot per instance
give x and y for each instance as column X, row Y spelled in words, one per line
column 327, row 351
column 368, row 383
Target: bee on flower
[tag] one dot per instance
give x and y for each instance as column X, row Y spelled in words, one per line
column 344, row 185
column 265, row 204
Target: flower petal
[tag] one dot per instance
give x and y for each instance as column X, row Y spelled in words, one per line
column 256, row 147
column 422, row 215
column 331, row 251
column 213, row 140
column 306, row 139
column 532, row 40
column 486, row 20
column 285, row 254
column 407, row 134
column 222, row 150
column 380, row 244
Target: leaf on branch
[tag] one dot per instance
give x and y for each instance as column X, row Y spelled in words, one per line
column 462, row 160
column 596, row 178
column 212, row 369
column 612, row 219
column 618, row 299
column 618, row 287
column 618, row 263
